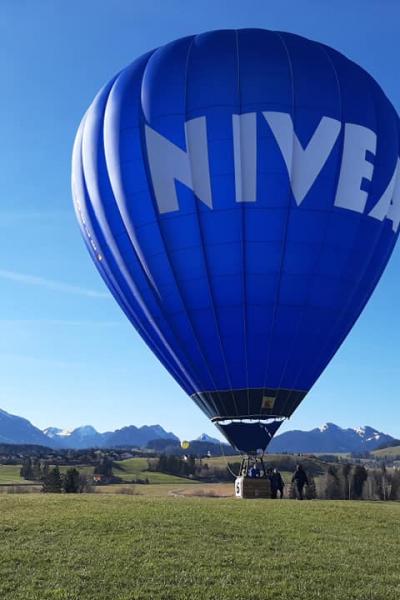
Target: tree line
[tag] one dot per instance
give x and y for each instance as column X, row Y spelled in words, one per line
column 337, row 482
column 182, row 466
column 53, row 481
column 51, row 478
column 355, row 482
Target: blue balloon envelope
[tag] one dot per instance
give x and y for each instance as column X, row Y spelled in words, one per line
column 239, row 193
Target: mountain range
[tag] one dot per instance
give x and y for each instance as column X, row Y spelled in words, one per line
column 88, row 437
column 17, row 430
column 326, row 439
column 331, row 438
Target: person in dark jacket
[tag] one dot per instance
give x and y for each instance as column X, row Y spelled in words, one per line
column 299, row 479
column 277, row 484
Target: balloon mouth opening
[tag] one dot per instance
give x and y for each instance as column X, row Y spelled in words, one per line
column 249, row 419
column 250, row 435
column 258, row 403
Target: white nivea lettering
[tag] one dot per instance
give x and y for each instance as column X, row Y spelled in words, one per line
column 354, row 168
column 245, row 156
column 303, row 164
column 393, row 213
column 381, row 208
column 169, row 163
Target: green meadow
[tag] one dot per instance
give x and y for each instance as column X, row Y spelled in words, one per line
column 133, row 469
column 127, row 470
column 122, row 547
column 9, row 475
column 137, row 468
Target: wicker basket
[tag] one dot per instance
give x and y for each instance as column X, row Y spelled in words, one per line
column 246, row 487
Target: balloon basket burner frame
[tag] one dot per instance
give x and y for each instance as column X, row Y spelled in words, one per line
column 252, row 487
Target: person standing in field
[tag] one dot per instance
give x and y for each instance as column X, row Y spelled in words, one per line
column 299, row 479
column 277, row 484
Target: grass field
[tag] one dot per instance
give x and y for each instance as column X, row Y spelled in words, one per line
column 9, row 475
column 111, row 547
column 214, row 490
column 127, row 470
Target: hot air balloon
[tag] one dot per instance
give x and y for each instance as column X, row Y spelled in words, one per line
column 239, row 193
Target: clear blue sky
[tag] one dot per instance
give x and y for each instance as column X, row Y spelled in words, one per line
column 67, row 355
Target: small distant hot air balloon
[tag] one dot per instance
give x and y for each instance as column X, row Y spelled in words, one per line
column 239, row 193
column 185, row 444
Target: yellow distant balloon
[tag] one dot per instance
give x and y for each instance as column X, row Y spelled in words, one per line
column 185, row 444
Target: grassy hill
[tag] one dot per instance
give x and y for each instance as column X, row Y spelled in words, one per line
column 102, row 547
column 137, row 468
column 284, row 462
column 391, row 452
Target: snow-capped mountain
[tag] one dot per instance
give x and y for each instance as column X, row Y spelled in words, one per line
column 52, row 432
column 81, row 437
column 330, row 438
column 207, row 438
column 87, row 436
